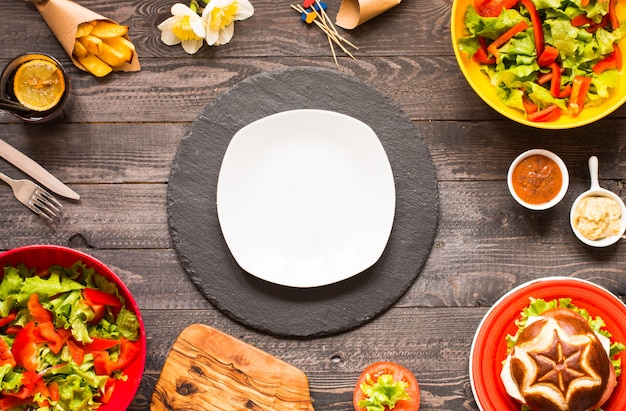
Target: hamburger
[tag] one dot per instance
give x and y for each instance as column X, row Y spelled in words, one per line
column 560, row 359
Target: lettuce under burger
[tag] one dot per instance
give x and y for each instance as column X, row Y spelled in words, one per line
column 560, row 359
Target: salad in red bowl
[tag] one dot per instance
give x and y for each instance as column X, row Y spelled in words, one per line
column 71, row 335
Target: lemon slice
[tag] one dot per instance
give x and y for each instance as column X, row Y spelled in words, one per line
column 39, row 84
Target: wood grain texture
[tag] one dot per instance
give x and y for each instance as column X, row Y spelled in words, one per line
column 210, row 370
column 117, row 146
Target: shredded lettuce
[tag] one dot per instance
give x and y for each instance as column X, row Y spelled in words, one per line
column 385, row 392
column 516, row 70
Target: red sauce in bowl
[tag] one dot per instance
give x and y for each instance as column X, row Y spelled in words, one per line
column 537, row 179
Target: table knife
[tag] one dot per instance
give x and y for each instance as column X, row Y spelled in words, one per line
column 30, row 167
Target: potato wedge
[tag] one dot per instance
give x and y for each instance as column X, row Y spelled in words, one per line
column 94, row 65
column 79, row 49
column 106, row 29
column 92, row 43
column 84, row 29
column 123, row 46
column 111, row 56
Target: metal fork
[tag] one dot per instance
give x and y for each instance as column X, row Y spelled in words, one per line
column 34, row 197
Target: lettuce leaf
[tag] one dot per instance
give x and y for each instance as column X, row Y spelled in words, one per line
column 382, row 394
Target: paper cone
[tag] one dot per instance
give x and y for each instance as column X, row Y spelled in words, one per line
column 353, row 13
column 63, row 18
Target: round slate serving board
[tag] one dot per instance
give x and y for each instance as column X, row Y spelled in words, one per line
column 280, row 310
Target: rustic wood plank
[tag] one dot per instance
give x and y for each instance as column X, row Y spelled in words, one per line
column 421, row 339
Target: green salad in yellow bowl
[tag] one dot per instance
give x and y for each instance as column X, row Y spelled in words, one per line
column 543, row 63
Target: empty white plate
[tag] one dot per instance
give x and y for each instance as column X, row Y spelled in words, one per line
column 306, row 198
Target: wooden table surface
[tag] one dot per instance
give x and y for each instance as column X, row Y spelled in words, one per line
column 117, row 145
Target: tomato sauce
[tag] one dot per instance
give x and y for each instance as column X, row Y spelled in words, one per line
column 537, row 179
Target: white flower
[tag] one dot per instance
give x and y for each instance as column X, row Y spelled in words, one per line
column 219, row 17
column 185, row 26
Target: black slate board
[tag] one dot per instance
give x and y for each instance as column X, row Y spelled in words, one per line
column 280, row 310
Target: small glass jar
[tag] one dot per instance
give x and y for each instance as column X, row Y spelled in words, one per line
column 7, row 77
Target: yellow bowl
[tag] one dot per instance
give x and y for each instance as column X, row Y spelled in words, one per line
column 479, row 81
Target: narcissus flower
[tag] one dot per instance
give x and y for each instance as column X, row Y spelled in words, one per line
column 219, row 17
column 185, row 26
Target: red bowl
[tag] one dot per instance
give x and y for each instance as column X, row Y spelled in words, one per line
column 489, row 347
column 43, row 256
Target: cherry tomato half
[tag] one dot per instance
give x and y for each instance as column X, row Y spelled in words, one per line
column 399, row 373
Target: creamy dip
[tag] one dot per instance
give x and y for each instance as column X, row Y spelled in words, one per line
column 597, row 217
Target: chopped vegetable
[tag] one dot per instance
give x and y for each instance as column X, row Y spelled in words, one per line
column 384, row 386
column 65, row 338
column 579, row 38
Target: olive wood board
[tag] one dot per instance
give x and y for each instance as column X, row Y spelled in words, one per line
column 207, row 369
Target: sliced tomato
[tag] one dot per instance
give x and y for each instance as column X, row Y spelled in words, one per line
column 399, row 373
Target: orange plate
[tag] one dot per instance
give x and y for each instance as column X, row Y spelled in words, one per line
column 482, row 86
column 489, row 346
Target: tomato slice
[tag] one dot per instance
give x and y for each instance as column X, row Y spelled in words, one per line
column 399, row 373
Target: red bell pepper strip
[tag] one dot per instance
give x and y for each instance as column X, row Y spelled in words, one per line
column 529, row 106
column 493, row 8
column 76, row 351
column 581, row 20
column 8, row 403
column 609, row 62
column 548, row 56
column 613, row 15
column 548, row 114
column 537, row 28
column 481, row 55
column 566, row 91
column 54, row 340
column 37, row 311
column 109, row 388
column 508, row 35
column 6, row 356
column 97, row 297
column 24, row 348
column 100, row 344
column 584, row 3
column 555, row 83
column 580, row 86
column 104, row 366
column 7, row 320
column 618, row 56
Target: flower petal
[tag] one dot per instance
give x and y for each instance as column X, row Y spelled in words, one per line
column 226, row 34
column 180, row 9
column 197, row 25
column 192, row 46
column 167, row 24
column 245, row 10
column 211, row 36
column 168, row 37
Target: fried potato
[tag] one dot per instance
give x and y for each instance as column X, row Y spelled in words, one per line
column 84, row 29
column 94, row 65
column 106, row 29
column 92, row 43
column 79, row 49
column 123, row 46
column 111, row 56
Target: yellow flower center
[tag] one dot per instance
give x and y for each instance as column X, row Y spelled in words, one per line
column 182, row 29
column 224, row 16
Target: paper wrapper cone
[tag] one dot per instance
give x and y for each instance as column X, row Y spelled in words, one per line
column 63, row 18
column 353, row 13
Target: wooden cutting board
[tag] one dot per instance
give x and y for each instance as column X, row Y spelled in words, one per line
column 209, row 370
